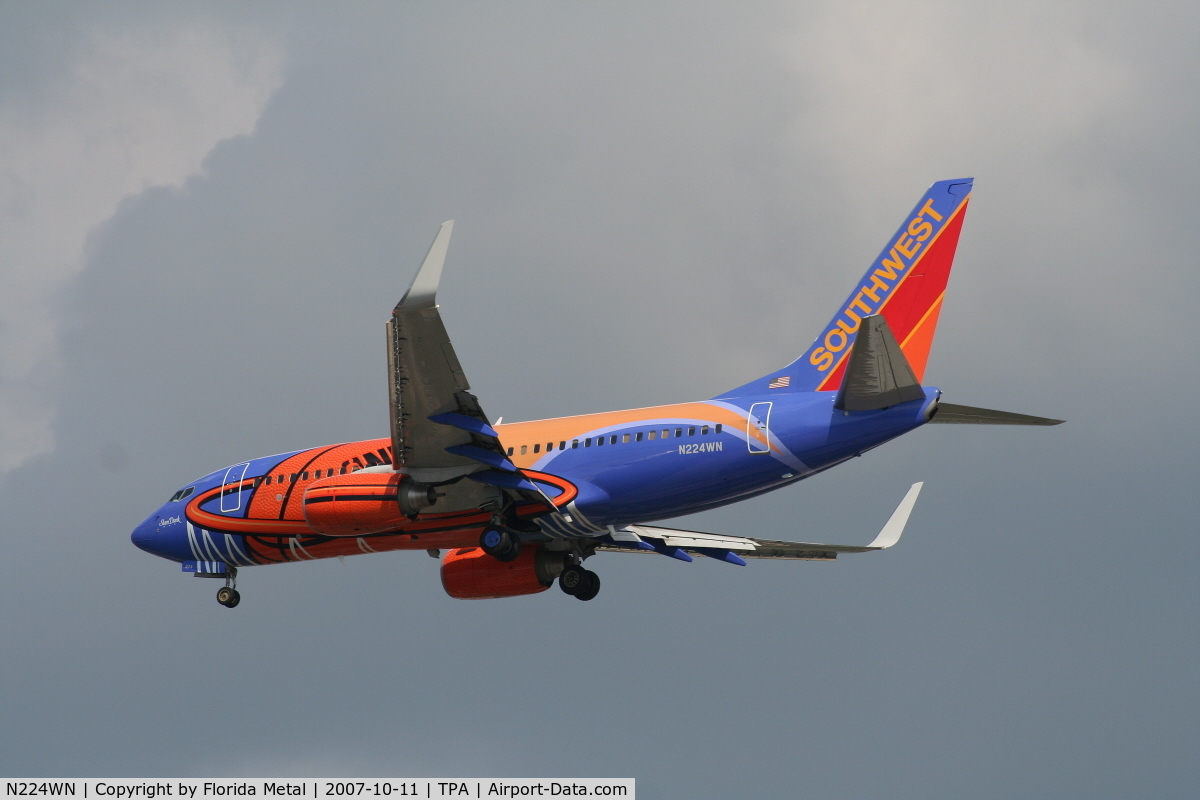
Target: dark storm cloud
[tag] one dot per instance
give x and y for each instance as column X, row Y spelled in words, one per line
column 653, row 203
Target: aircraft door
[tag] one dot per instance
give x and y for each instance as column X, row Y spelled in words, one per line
column 758, row 424
column 232, row 500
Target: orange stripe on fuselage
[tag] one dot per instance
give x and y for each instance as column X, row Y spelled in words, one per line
column 569, row 429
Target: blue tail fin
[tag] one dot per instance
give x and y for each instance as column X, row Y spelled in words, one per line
column 905, row 284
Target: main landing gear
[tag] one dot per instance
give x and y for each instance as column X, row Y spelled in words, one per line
column 500, row 543
column 580, row 583
column 228, row 595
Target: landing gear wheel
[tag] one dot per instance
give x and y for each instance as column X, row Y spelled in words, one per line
column 500, row 544
column 572, row 579
column 228, row 597
column 590, row 587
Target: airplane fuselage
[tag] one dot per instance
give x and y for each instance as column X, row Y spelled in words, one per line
column 607, row 469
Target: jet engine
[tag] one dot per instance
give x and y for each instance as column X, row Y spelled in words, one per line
column 468, row 573
column 364, row 502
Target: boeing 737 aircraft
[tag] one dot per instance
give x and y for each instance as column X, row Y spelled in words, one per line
column 515, row 507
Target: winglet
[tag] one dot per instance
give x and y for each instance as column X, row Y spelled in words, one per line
column 895, row 524
column 423, row 291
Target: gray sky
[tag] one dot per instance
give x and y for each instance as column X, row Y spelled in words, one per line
column 206, row 212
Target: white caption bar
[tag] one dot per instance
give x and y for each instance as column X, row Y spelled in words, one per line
column 392, row 788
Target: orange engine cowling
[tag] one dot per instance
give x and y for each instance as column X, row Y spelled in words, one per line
column 363, row 502
column 468, row 573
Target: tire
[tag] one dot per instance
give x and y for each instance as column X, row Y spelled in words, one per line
column 590, row 587
column 233, row 601
column 510, row 554
column 225, row 596
column 500, row 543
column 572, row 579
column 493, row 540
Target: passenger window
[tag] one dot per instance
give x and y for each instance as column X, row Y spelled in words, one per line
column 625, row 438
column 562, row 445
column 718, row 427
column 678, row 432
column 510, row 451
column 293, row 477
column 574, row 444
column 704, row 431
column 638, row 438
column 612, row 440
column 524, row 449
column 691, row 431
column 304, row 475
column 599, row 441
column 587, row 442
column 652, row 435
column 537, row 447
column 549, row 446
column 667, row 434
column 280, row 479
column 267, row 481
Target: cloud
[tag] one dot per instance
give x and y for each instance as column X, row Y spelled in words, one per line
column 900, row 86
column 131, row 111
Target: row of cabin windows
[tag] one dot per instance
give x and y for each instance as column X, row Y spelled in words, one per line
column 354, row 465
column 303, row 476
column 623, row 438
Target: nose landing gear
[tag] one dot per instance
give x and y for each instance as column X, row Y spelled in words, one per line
column 228, row 595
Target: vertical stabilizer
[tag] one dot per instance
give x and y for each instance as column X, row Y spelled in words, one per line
column 905, row 285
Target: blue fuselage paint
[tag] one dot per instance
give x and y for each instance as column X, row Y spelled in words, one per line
column 619, row 484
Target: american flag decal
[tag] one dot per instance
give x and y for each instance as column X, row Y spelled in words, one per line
column 780, row 383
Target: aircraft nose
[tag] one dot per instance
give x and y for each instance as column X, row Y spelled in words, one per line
column 144, row 534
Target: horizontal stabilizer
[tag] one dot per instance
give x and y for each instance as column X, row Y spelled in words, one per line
column 950, row 414
column 877, row 375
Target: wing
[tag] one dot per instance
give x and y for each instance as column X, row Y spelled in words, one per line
column 439, row 430
column 678, row 543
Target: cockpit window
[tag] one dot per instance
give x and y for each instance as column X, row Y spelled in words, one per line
column 182, row 494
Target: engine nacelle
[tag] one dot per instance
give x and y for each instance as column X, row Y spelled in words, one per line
column 468, row 573
column 364, row 502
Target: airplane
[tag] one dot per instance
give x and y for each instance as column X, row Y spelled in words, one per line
column 509, row 509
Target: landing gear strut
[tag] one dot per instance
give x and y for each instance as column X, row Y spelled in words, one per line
column 580, row 583
column 228, row 595
column 500, row 543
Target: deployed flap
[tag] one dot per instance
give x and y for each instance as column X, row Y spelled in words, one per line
column 950, row 414
column 745, row 547
column 877, row 375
